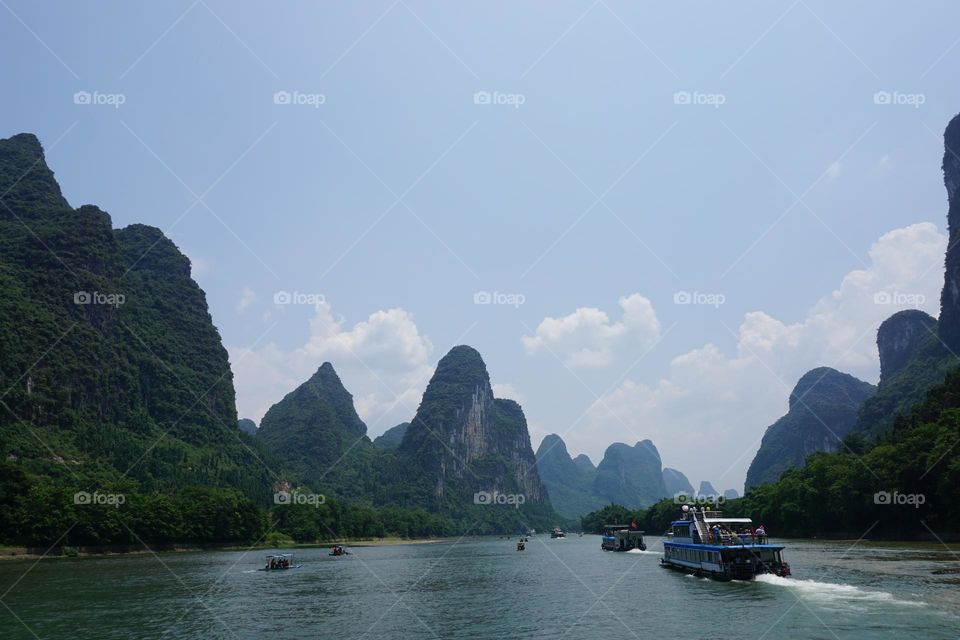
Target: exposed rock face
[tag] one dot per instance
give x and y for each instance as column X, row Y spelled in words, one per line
column 569, row 481
column 392, row 437
column 316, row 431
column 950, row 298
column 731, row 494
column 823, row 409
column 466, row 441
column 899, row 339
column 676, row 482
column 630, row 476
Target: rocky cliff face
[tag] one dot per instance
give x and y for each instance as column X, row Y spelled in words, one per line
column 569, row 481
column 950, row 298
column 631, row 476
column 899, row 339
column 823, row 409
column 465, row 440
column 914, row 358
column 123, row 358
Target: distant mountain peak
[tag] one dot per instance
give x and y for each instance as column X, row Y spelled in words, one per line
column 26, row 181
column 823, row 409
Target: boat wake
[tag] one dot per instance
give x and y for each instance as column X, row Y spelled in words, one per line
column 646, row 553
column 835, row 592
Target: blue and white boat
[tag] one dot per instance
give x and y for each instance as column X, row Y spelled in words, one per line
column 705, row 543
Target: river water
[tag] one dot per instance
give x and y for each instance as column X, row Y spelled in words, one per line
column 483, row 588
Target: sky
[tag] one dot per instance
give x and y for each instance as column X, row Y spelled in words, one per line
column 650, row 218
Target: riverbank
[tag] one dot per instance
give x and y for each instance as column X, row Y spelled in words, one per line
column 38, row 553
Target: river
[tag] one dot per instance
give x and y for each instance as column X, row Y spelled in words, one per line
column 483, row 588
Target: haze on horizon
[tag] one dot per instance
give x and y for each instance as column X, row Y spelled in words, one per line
column 650, row 222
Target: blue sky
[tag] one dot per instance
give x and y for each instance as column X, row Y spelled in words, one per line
column 784, row 191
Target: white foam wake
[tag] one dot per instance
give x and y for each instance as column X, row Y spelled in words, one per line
column 833, row 591
column 647, row 553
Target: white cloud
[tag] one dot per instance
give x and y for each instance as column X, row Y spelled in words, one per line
column 384, row 361
column 247, row 298
column 507, row 391
column 708, row 413
column 585, row 338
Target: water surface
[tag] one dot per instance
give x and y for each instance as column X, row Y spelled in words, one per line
column 482, row 588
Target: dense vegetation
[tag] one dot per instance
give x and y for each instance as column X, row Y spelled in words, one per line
column 114, row 382
column 50, row 511
column 898, row 487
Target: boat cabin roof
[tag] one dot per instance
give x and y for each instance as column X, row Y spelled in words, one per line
column 279, row 555
column 722, row 520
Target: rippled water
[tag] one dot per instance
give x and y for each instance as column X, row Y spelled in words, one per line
column 482, row 588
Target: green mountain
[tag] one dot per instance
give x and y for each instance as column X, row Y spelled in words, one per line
column 392, row 437
column 467, row 454
column 916, row 351
column 707, row 489
column 823, row 408
column 112, row 369
column 913, row 360
column 247, row 426
column 630, row 476
column 569, row 481
column 584, row 462
column 675, row 482
column 316, row 432
column 898, row 470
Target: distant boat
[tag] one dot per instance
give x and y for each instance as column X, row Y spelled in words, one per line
column 621, row 537
column 557, row 533
column 706, row 543
column 281, row 562
column 338, row 550
column 521, row 545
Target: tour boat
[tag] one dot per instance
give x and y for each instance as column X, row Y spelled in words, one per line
column 338, row 550
column 557, row 533
column 705, row 543
column 281, row 562
column 620, row 537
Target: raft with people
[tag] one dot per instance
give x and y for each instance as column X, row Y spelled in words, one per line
column 281, row 562
column 705, row 543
